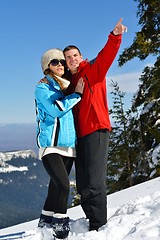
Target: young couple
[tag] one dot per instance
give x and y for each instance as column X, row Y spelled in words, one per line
column 60, row 141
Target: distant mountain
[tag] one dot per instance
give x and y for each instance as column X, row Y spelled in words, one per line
column 15, row 137
column 23, row 187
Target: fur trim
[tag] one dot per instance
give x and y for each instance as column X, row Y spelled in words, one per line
column 54, row 53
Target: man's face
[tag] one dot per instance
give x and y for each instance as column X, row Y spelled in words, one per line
column 73, row 59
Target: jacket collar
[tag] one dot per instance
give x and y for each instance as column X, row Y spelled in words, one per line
column 52, row 82
column 81, row 66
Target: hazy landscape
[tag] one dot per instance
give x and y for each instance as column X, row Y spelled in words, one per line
column 17, row 137
column 23, row 180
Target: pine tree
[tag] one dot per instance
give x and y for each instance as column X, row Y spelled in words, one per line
column 147, row 101
column 147, row 40
column 119, row 168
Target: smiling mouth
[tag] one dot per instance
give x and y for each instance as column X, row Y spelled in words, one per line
column 74, row 64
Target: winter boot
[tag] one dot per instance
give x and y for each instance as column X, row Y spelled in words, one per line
column 60, row 225
column 45, row 221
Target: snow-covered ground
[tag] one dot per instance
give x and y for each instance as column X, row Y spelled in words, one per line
column 133, row 214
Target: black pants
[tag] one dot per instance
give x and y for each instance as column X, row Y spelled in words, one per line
column 91, row 167
column 58, row 167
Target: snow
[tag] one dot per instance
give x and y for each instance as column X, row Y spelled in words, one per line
column 133, row 214
column 5, row 157
column 10, row 168
column 156, row 154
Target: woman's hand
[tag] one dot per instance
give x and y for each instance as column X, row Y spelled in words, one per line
column 80, row 86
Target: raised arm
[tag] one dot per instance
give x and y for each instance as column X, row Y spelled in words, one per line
column 106, row 56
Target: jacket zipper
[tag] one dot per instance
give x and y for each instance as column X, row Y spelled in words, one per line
column 89, row 86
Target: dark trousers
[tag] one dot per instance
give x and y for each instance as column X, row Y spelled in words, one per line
column 58, row 167
column 91, row 167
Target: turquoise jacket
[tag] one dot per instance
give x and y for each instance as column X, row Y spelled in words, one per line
column 55, row 122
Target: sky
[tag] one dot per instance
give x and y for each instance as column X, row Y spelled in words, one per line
column 31, row 27
column 133, row 213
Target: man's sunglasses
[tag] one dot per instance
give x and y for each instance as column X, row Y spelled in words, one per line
column 55, row 62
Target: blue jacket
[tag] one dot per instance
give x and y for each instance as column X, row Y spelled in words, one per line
column 55, row 122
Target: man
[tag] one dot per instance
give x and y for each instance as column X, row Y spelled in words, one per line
column 93, row 125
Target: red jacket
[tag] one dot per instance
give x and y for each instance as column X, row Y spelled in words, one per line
column 91, row 113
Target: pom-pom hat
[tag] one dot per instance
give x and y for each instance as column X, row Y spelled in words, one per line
column 51, row 54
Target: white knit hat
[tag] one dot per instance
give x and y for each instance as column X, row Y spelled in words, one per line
column 51, row 54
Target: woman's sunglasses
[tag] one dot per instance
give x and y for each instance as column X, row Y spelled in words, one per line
column 55, row 62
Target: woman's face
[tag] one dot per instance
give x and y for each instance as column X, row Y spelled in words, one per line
column 57, row 66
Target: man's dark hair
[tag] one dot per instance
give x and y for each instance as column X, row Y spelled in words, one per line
column 69, row 47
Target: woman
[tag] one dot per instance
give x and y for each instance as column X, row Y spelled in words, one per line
column 56, row 138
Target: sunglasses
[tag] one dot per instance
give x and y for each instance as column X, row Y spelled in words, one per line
column 55, row 62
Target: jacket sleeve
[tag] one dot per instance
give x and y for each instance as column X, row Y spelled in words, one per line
column 103, row 61
column 54, row 102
